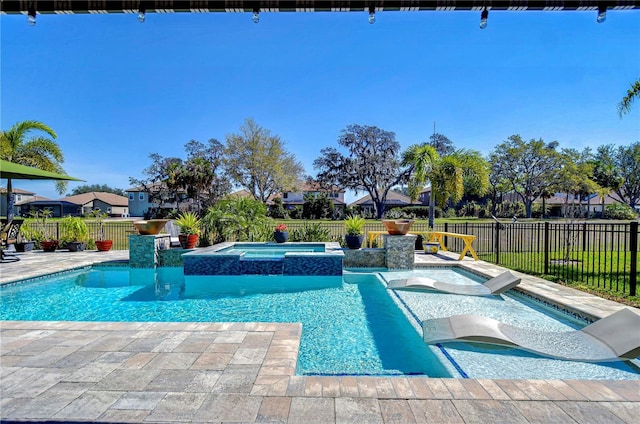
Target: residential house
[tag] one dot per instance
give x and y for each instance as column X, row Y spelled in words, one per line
column 394, row 200
column 112, row 204
column 20, row 196
column 291, row 199
column 81, row 204
column 592, row 205
column 140, row 204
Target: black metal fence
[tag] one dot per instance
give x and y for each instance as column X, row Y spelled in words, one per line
column 599, row 255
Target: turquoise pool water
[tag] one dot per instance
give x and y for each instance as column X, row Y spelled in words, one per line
column 347, row 327
column 270, row 250
column 352, row 325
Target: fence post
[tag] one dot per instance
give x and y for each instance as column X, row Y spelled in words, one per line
column 446, row 229
column 633, row 247
column 546, row 247
column 497, row 242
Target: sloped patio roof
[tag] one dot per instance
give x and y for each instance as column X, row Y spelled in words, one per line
column 169, row 6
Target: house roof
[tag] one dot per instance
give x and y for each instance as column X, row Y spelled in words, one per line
column 113, row 6
column 393, row 198
column 108, row 198
column 15, row 190
column 241, row 193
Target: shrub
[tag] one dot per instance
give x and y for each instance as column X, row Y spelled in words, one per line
column 619, row 211
column 234, row 219
column 311, row 232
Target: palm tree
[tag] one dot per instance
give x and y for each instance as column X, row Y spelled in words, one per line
column 18, row 145
column 450, row 176
column 625, row 104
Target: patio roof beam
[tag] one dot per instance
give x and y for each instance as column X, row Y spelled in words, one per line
column 169, row 6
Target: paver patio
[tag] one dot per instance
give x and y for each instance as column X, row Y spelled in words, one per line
column 245, row 372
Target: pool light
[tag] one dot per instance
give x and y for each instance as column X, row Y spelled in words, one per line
column 372, row 15
column 141, row 15
column 256, row 15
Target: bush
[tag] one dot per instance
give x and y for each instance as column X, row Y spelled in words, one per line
column 234, row 219
column 277, row 210
column 311, row 232
column 619, row 211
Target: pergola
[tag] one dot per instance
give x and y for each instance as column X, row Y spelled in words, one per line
column 372, row 6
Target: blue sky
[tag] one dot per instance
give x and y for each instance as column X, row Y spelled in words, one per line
column 116, row 90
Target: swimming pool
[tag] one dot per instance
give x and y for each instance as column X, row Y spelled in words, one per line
column 265, row 259
column 351, row 324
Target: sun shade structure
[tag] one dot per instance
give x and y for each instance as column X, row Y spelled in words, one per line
column 162, row 6
column 608, row 339
column 494, row 286
column 10, row 170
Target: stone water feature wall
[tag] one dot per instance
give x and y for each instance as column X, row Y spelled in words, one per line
column 397, row 253
column 143, row 250
column 399, row 250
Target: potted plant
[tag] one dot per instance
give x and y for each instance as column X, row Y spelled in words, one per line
column 27, row 237
column 75, row 233
column 189, row 224
column 281, row 233
column 102, row 244
column 41, row 217
column 354, row 226
column 430, row 246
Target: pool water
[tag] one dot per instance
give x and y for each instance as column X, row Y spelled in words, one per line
column 351, row 324
column 270, row 250
column 345, row 325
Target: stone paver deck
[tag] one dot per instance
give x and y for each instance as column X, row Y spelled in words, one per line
column 245, row 372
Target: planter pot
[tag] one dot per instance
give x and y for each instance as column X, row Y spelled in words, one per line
column 188, row 241
column 281, row 236
column 104, row 245
column 49, row 245
column 76, row 246
column 354, row 242
column 431, row 247
column 26, row 246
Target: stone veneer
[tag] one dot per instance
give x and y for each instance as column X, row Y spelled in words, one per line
column 364, row 258
column 399, row 250
column 143, row 250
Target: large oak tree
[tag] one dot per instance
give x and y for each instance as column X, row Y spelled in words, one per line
column 372, row 163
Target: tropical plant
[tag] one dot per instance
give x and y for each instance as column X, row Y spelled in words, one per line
column 450, row 176
column 354, row 225
column 632, row 93
column 280, row 228
column 28, row 232
column 234, row 218
column 311, row 231
column 17, row 145
column 73, row 230
column 189, row 223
